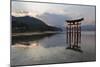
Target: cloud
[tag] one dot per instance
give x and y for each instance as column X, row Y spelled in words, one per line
column 56, row 13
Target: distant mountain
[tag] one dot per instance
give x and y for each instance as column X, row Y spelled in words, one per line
column 84, row 28
column 54, row 19
column 88, row 27
column 30, row 24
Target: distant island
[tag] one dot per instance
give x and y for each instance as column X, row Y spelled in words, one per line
column 30, row 24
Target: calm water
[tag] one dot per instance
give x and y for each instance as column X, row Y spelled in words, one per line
column 51, row 49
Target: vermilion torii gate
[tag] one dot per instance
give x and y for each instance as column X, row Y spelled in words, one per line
column 73, row 30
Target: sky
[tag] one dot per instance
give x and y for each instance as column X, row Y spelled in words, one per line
column 54, row 14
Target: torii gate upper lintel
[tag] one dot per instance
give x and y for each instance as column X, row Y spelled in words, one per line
column 76, row 20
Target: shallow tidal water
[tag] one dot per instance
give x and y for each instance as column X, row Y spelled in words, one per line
column 52, row 49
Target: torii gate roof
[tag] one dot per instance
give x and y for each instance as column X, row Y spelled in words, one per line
column 76, row 20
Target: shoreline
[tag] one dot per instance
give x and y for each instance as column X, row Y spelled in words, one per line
column 34, row 33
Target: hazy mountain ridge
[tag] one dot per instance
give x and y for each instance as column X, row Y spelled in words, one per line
column 84, row 28
column 54, row 19
column 30, row 24
column 59, row 20
column 88, row 27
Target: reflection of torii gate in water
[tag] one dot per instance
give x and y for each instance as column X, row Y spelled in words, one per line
column 73, row 31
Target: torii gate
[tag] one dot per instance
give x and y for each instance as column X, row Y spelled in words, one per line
column 73, row 31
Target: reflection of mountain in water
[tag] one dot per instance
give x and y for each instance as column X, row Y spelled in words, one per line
column 25, row 39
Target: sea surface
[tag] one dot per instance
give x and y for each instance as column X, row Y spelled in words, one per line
column 45, row 49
